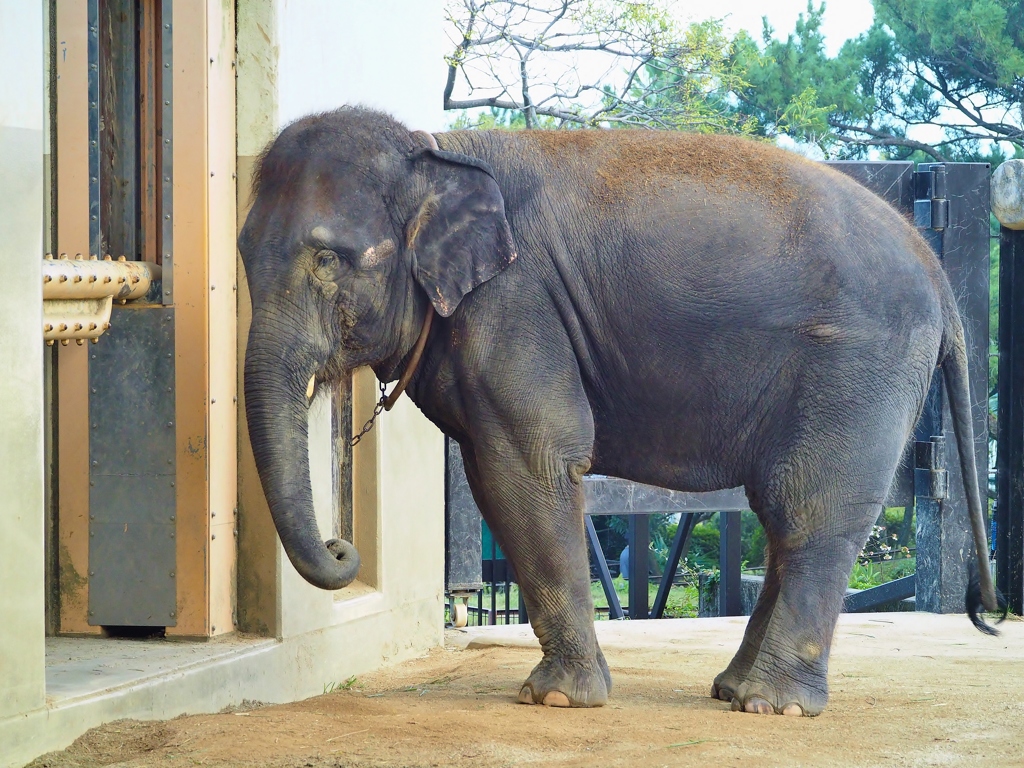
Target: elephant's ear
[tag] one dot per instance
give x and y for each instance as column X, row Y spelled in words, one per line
column 459, row 237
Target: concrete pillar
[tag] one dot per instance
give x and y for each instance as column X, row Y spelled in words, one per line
column 21, row 357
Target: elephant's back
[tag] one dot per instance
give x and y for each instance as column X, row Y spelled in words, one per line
column 626, row 166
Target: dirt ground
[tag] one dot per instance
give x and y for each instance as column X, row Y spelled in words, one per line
column 906, row 690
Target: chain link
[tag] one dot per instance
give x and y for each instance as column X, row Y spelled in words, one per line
column 377, row 410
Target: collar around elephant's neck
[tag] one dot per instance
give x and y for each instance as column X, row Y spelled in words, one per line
column 421, row 342
column 414, row 361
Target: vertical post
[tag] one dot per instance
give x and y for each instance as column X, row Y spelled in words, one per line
column 952, row 210
column 21, row 387
column 639, row 565
column 93, row 47
column 729, row 597
column 164, row 78
column 1008, row 205
column 605, row 576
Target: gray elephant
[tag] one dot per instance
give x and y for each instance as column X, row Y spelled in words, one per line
column 692, row 312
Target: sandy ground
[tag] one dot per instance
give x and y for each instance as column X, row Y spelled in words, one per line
column 907, row 690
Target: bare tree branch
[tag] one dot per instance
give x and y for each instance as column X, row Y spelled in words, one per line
column 588, row 62
column 879, row 138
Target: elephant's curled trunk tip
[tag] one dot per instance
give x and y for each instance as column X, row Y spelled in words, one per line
column 334, row 565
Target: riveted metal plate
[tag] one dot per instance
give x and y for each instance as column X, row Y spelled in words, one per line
column 93, row 84
column 132, row 552
column 165, row 77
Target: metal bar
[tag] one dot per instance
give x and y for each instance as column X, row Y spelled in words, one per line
column 149, row 146
column 1009, row 512
column 729, row 597
column 639, row 565
column 94, row 279
column 166, row 133
column 493, row 618
column 508, row 588
column 605, row 576
column 93, row 12
column 683, row 531
column 868, row 599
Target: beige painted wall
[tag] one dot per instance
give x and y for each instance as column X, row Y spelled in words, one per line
column 287, row 64
column 297, row 57
column 21, row 357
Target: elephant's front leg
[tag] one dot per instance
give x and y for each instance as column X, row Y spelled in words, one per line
column 529, row 490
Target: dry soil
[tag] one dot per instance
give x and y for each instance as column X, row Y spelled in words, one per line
column 906, row 690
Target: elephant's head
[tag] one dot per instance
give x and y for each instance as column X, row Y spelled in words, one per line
column 358, row 229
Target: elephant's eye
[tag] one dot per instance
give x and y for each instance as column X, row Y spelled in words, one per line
column 327, row 266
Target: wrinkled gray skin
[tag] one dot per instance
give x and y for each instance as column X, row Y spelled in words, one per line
column 691, row 312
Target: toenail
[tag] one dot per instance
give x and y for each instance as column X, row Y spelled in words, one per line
column 526, row 695
column 793, row 709
column 758, row 707
column 556, row 699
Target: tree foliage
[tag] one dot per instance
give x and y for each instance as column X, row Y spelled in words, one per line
column 589, row 62
column 956, row 66
column 931, row 79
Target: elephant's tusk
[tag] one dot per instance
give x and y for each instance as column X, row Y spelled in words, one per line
column 310, row 387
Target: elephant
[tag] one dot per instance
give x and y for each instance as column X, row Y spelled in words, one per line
column 695, row 312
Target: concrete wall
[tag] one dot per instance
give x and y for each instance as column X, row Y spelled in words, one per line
column 21, row 357
column 296, row 57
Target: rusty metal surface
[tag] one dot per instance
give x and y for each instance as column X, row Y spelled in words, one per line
column 132, row 464
column 119, row 140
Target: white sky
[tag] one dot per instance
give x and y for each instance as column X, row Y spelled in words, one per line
column 843, row 18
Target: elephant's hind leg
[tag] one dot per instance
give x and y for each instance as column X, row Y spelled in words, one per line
column 532, row 498
column 819, row 509
column 730, row 679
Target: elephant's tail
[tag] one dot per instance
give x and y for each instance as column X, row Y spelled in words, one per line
column 981, row 592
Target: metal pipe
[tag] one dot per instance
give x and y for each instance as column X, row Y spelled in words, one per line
column 94, row 279
column 79, row 319
column 78, row 294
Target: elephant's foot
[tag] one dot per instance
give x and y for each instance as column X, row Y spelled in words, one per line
column 563, row 682
column 782, row 696
column 725, row 686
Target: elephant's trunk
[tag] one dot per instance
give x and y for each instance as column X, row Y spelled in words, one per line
column 277, row 412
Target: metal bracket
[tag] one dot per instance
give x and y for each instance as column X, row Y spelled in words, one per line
column 931, row 207
column 931, row 480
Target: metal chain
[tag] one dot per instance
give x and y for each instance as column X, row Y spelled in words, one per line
column 377, row 410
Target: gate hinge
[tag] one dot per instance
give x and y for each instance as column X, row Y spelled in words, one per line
column 931, row 208
column 931, row 481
